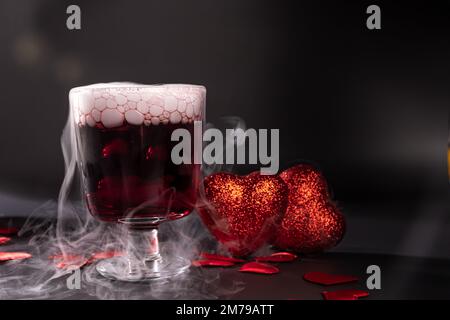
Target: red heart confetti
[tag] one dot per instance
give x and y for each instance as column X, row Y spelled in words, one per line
column 70, row 265
column 212, row 263
column 9, row 231
column 104, row 255
column 328, row 279
column 257, row 267
column 64, row 257
column 4, row 240
column 7, row 256
column 349, row 294
column 68, row 261
column 213, row 256
column 73, row 262
column 277, row 257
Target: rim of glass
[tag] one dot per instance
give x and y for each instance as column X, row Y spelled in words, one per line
column 132, row 85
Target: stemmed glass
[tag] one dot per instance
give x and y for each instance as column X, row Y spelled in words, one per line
column 123, row 135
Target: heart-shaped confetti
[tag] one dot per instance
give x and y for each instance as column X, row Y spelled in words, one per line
column 258, row 267
column 277, row 257
column 71, row 265
column 61, row 256
column 104, row 255
column 348, row 294
column 328, row 279
column 213, row 256
column 69, row 261
column 212, row 263
column 4, row 240
column 9, row 231
column 8, row 256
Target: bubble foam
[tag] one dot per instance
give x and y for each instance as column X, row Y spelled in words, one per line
column 116, row 103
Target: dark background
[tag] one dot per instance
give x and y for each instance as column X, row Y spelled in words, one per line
column 369, row 107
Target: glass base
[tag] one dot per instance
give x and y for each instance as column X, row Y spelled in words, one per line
column 120, row 268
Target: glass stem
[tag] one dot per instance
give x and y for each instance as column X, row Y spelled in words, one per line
column 142, row 248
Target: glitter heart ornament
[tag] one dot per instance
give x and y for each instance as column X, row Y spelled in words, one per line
column 312, row 222
column 8, row 231
column 243, row 212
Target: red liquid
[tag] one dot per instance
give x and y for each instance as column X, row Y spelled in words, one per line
column 128, row 173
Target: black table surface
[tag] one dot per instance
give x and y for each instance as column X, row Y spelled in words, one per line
column 402, row 277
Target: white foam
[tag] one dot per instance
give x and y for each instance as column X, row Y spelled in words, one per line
column 113, row 104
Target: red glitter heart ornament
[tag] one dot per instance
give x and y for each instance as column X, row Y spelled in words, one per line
column 9, row 231
column 7, row 256
column 258, row 267
column 212, row 263
column 4, row 240
column 328, row 279
column 349, row 294
column 278, row 257
column 312, row 222
column 243, row 212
